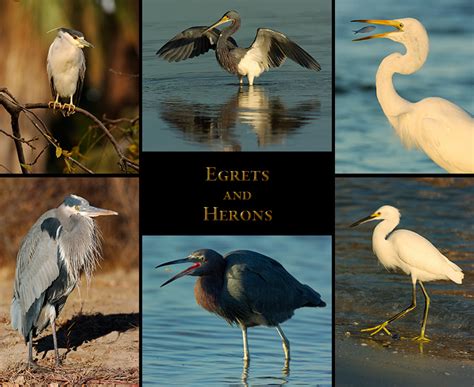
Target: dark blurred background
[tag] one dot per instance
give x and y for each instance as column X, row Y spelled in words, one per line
column 24, row 200
column 111, row 85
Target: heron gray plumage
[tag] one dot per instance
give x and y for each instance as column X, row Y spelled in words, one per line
column 66, row 67
column 248, row 289
column 62, row 244
column 269, row 49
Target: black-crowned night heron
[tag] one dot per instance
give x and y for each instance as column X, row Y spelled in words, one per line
column 66, row 66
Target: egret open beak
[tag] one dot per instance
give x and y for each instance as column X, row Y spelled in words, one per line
column 224, row 19
column 92, row 212
column 189, row 270
column 392, row 23
column 369, row 218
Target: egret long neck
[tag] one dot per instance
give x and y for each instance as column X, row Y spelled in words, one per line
column 393, row 104
column 380, row 244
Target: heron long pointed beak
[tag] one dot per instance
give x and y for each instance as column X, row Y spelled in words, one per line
column 92, row 212
column 85, row 43
column 223, row 20
column 187, row 271
column 369, row 218
column 392, row 23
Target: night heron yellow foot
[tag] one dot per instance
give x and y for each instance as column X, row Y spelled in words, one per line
column 69, row 109
column 378, row 328
column 55, row 104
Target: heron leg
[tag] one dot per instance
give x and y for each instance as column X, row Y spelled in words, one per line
column 246, row 344
column 422, row 337
column 55, row 342
column 31, row 362
column 383, row 326
column 250, row 77
column 284, row 342
column 71, row 108
column 55, row 103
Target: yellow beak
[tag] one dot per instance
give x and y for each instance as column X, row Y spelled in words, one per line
column 224, row 19
column 392, row 23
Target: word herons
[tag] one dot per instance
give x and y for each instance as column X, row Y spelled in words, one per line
column 269, row 49
column 66, row 67
column 62, row 244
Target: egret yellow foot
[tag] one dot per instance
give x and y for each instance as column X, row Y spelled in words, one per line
column 421, row 339
column 377, row 329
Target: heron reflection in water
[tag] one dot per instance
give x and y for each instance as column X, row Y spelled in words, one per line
column 213, row 124
column 269, row 49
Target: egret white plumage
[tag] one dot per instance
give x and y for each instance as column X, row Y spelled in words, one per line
column 269, row 49
column 441, row 129
column 412, row 254
column 66, row 67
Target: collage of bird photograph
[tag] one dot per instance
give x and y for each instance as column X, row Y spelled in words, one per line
column 357, row 139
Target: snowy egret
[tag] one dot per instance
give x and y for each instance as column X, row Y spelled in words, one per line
column 269, row 49
column 414, row 255
column 441, row 129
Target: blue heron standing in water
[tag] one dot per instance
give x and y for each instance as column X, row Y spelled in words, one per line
column 248, row 289
column 62, row 244
column 269, row 49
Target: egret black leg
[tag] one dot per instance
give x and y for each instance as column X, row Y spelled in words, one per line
column 383, row 326
column 422, row 336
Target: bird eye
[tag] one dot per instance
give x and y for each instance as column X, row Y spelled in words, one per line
column 75, row 37
column 378, row 213
column 401, row 25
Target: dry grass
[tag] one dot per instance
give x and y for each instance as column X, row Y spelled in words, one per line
column 73, row 375
column 23, row 200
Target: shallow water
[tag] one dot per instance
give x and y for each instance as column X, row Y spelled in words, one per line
column 185, row 345
column 367, row 294
column 365, row 142
column 194, row 105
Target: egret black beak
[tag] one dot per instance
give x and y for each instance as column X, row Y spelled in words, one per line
column 393, row 23
column 92, row 212
column 364, row 220
column 223, row 20
column 189, row 270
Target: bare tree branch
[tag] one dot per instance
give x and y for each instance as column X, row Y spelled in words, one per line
column 14, row 108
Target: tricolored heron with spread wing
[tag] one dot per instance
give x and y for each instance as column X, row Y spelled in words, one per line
column 62, row 244
column 269, row 49
column 441, row 129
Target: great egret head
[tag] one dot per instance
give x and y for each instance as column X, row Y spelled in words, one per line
column 383, row 213
column 407, row 31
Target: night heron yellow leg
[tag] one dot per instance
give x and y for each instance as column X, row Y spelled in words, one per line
column 71, row 108
column 422, row 336
column 55, row 104
column 284, row 342
column 383, row 326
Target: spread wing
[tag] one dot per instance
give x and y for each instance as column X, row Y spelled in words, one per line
column 190, row 43
column 270, row 48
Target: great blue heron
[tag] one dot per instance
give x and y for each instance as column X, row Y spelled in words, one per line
column 413, row 254
column 247, row 288
column 269, row 49
column 441, row 129
column 62, row 244
column 66, row 67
